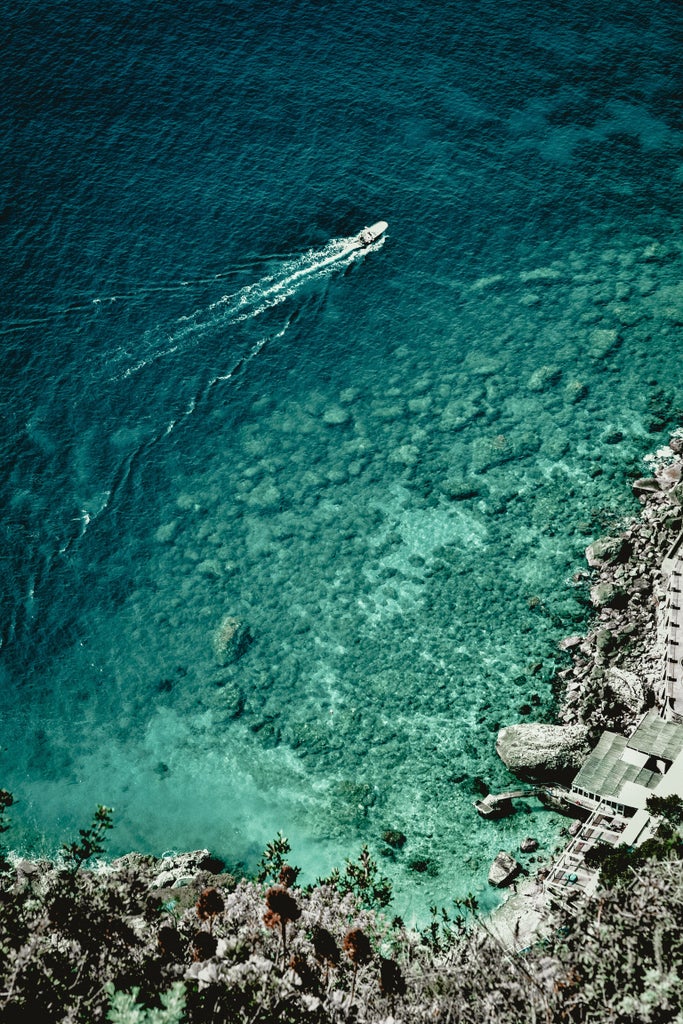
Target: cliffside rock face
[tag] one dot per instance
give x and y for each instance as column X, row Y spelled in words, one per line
column 539, row 752
column 503, row 870
column 181, row 869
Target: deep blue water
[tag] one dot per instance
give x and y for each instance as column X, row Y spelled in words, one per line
column 386, row 465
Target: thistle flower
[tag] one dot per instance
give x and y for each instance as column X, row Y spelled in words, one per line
column 391, row 980
column 203, row 946
column 281, row 908
column 209, row 905
column 288, row 876
column 357, row 946
column 359, row 951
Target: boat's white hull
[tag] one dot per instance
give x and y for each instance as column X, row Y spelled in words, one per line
column 369, row 235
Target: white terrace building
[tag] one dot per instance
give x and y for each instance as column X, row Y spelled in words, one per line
column 620, row 774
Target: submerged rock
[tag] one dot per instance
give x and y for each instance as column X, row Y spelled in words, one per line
column 394, row 838
column 539, row 752
column 544, row 377
column 460, row 489
column 231, row 640
column 336, row 416
column 503, row 870
column 575, row 391
column 603, row 341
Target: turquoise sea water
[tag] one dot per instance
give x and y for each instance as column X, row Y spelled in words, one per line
column 385, row 465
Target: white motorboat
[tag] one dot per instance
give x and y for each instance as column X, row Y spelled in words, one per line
column 369, row 235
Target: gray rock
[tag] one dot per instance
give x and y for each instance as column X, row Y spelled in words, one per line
column 538, row 752
column 528, row 845
column 605, row 641
column 607, row 595
column 669, row 476
column 503, row 870
column 645, row 485
column 607, row 551
column 180, row 869
column 231, row 640
column 27, row 869
column 544, row 377
column 627, row 687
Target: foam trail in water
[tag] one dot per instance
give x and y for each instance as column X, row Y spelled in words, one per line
column 254, row 299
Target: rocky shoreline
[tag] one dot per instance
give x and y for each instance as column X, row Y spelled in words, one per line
column 617, row 667
column 616, row 670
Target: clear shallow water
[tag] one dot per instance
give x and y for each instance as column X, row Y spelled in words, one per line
column 386, row 465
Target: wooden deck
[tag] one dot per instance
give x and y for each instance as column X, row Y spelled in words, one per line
column 569, row 877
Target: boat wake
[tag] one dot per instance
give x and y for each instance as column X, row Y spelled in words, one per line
column 254, row 299
column 244, row 306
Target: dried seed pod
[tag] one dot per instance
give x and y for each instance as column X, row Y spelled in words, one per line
column 203, row 945
column 282, row 908
column 325, row 947
column 281, row 903
column 357, row 946
column 391, row 980
column 209, row 904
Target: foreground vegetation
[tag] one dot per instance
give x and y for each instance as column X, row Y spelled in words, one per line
column 88, row 945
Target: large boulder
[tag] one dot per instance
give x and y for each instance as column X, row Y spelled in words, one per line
column 645, row 485
column 669, row 476
column 608, row 551
column 608, row 595
column 540, row 752
column 627, row 688
column 503, row 870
